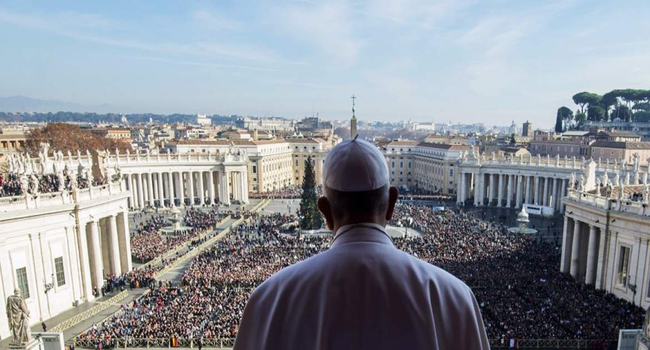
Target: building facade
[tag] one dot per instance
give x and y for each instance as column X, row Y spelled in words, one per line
column 424, row 166
column 527, row 129
column 507, row 181
column 621, row 150
column 272, row 164
column 606, row 240
column 58, row 247
column 569, row 144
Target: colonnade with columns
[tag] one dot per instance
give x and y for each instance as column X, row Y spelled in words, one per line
column 512, row 190
column 104, row 248
column 606, row 241
column 186, row 187
column 583, row 251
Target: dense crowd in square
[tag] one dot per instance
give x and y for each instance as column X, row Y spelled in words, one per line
column 521, row 293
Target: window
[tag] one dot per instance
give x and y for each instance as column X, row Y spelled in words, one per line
column 254, row 169
column 623, row 266
column 60, row 274
column 393, row 165
column 21, row 277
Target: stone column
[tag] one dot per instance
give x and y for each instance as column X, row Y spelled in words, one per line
column 244, row 178
column 575, row 249
column 170, row 188
column 567, row 241
column 161, row 192
column 592, row 256
column 96, row 262
column 492, row 195
column 600, row 260
column 84, row 261
column 124, row 239
column 501, row 190
column 459, row 193
column 190, row 187
column 560, row 206
column 520, row 190
column 132, row 194
column 179, row 186
column 529, row 189
column 200, row 179
column 536, row 190
column 150, row 188
column 225, row 190
column 477, row 190
column 555, row 197
column 211, row 187
column 114, row 246
column 545, row 195
column 511, row 180
column 140, row 191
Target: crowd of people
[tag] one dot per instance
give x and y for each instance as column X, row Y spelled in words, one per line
column 10, row 186
column 521, row 293
column 516, row 280
column 148, row 242
column 284, row 193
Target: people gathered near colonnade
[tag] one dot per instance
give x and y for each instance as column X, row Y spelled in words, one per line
column 520, row 291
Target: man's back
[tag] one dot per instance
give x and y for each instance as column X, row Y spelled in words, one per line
column 362, row 293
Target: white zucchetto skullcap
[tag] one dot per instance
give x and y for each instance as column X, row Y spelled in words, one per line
column 354, row 166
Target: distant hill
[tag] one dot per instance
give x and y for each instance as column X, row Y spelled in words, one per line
column 28, row 104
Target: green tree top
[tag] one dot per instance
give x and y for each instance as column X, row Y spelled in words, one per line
column 311, row 218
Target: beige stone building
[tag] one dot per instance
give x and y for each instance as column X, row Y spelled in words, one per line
column 616, row 150
column 273, row 164
column 302, row 149
column 606, row 240
column 425, row 166
column 11, row 142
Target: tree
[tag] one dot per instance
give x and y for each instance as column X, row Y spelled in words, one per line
column 513, row 140
column 67, row 137
column 641, row 117
column 622, row 112
column 642, row 106
column 583, row 99
column 580, row 119
column 608, row 101
column 311, row 218
column 564, row 117
column 596, row 113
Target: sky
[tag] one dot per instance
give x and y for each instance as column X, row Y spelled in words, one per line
column 464, row 61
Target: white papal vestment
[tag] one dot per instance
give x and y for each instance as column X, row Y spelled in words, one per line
column 362, row 293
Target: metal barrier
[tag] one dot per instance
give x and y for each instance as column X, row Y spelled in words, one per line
column 221, row 343
column 125, row 343
column 553, row 343
column 89, row 313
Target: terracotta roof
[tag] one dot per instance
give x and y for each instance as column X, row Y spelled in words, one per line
column 621, row 145
column 619, row 134
column 443, row 146
column 300, row 140
column 403, row 143
column 200, row 142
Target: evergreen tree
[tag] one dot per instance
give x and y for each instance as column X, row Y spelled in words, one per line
column 311, row 217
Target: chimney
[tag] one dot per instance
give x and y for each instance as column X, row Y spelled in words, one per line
column 256, row 136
